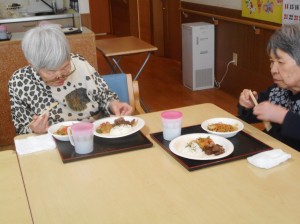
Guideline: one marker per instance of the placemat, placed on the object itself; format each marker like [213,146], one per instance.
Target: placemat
[244,146]
[104,146]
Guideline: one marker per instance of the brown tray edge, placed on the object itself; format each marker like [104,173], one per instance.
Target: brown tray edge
[91,156]
[207,164]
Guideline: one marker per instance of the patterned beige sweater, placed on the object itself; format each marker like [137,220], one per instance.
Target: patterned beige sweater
[84,96]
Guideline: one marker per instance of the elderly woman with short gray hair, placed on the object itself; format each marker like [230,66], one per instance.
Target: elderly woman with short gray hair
[279,104]
[54,74]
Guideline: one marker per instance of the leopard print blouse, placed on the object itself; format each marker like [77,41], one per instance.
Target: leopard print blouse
[84,96]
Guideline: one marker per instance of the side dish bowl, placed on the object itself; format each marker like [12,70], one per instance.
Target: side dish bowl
[236,124]
[53,128]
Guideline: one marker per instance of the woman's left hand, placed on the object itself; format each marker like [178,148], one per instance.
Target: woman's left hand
[120,108]
[267,111]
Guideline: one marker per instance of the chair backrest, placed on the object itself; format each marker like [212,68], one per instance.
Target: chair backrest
[127,91]
[118,84]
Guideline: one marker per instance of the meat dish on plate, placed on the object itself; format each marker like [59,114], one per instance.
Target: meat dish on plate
[119,126]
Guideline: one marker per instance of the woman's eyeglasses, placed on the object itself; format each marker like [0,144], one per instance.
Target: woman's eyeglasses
[60,74]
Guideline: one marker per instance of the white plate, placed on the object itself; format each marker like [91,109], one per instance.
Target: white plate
[224,120]
[178,146]
[140,124]
[53,128]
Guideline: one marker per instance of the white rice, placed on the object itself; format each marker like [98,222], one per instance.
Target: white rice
[121,129]
[193,149]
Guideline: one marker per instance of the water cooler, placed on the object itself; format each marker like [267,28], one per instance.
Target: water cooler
[198,55]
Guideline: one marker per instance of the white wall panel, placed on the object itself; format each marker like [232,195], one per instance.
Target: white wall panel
[231,4]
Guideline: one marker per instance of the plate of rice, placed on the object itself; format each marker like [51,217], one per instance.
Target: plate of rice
[116,127]
[200,146]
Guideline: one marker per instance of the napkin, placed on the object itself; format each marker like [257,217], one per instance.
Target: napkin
[34,144]
[269,159]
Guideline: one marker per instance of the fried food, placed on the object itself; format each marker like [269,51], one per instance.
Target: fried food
[104,128]
[202,142]
[214,149]
[209,147]
[221,127]
[121,121]
[63,130]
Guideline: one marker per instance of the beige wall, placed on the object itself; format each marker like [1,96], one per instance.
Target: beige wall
[84,6]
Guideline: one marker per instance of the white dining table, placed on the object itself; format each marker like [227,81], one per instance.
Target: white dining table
[150,186]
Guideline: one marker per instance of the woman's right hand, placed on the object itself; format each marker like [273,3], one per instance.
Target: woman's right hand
[245,99]
[39,124]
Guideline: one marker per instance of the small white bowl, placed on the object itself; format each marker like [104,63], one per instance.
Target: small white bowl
[230,121]
[53,128]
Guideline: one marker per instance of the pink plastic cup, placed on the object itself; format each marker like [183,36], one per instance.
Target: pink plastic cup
[171,122]
[82,137]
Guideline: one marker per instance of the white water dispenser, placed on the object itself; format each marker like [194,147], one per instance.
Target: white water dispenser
[198,41]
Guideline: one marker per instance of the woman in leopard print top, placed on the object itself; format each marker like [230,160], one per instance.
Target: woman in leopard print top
[280,104]
[56,75]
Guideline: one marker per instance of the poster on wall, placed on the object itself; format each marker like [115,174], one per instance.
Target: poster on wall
[267,10]
[291,12]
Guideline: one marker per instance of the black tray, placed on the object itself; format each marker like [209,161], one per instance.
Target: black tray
[104,146]
[73,32]
[244,146]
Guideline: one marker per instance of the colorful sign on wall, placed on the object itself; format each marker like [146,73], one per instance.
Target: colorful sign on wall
[291,12]
[267,10]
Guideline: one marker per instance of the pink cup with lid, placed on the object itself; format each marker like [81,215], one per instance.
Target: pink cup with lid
[82,137]
[171,122]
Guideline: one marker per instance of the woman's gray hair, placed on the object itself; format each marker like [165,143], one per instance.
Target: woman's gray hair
[287,39]
[46,47]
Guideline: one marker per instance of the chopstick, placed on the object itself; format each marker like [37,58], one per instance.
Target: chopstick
[267,124]
[46,110]
[49,108]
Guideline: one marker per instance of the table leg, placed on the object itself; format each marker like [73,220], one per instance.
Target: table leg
[117,63]
[142,67]
[110,64]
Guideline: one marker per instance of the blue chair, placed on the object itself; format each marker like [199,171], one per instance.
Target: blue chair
[127,90]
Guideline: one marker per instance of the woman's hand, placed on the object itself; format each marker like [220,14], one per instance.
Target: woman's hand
[267,111]
[245,99]
[39,124]
[120,108]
